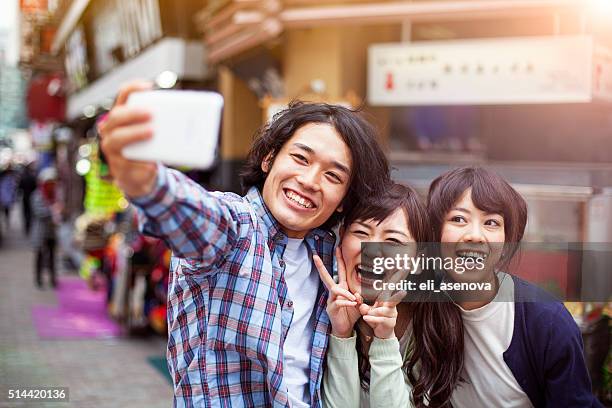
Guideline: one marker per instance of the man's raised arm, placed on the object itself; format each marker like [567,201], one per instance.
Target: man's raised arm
[195,223]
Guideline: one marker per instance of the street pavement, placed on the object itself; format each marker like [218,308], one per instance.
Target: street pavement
[98,373]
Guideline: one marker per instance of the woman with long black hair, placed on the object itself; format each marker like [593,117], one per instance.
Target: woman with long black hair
[425,336]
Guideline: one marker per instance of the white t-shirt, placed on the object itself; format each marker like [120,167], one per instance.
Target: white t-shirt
[302,284]
[489,382]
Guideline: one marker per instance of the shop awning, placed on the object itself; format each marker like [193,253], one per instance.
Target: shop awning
[243,24]
[182,57]
[71,18]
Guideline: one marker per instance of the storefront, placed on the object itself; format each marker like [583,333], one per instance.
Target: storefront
[272,51]
[104,44]
[523,87]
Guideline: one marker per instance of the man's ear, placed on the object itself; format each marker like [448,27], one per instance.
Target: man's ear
[265,163]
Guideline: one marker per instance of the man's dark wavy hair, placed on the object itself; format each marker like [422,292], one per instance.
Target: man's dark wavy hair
[370,169]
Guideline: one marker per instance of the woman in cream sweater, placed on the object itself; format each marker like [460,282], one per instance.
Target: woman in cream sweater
[370,338]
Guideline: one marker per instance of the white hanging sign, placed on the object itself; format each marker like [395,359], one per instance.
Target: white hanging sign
[559,69]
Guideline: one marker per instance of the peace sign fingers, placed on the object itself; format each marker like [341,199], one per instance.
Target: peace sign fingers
[396,299]
[326,278]
[381,317]
[341,266]
[328,281]
[342,305]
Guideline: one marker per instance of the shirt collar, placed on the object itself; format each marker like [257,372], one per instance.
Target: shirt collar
[272,225]
[261,210]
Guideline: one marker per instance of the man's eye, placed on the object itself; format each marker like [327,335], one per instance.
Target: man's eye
[394,240]
[360,232]
[299,158]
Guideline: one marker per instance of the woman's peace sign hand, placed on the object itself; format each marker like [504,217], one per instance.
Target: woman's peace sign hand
[382,316]
[342,305]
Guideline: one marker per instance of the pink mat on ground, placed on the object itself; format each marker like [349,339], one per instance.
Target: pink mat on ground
[80,314]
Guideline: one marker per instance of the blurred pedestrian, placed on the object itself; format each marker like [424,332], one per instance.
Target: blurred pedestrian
[8,192]
[47,212]
[27,185]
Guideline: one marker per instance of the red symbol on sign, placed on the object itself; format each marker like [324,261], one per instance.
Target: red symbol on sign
[389,82]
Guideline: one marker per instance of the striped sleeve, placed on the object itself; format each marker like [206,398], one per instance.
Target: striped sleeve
[198,225]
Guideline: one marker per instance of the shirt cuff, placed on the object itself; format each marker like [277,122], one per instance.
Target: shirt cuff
[385,348]
[158,195]
[343,348]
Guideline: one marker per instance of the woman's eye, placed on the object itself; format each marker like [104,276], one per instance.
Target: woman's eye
[457,218]
[394,240]
[299,158]
[360,232]
[493,223]
[334,177]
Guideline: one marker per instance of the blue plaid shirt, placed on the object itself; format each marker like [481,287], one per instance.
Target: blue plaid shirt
[228,305]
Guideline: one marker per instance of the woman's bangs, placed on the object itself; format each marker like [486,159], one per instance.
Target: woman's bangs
[371,211]
[451,193]
[489,196]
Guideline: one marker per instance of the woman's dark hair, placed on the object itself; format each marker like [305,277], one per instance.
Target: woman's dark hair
[435,350]
[392,197]
[370,169]
[490,193]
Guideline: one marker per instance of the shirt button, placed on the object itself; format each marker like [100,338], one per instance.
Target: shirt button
[281,263]
[316,237]
[290,304]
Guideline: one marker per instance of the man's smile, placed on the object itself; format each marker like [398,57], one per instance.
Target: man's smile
[299,199]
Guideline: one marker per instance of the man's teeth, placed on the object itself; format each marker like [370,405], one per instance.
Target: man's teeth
[296,198]
[470,254]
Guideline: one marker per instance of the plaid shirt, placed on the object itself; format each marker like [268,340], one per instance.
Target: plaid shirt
[228,305]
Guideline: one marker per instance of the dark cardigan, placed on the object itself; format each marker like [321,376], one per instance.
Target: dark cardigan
[546,352]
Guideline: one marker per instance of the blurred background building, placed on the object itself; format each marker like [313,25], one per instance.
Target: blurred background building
[12,81]
[523,86]
[262,54]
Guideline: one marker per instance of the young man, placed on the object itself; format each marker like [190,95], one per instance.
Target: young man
[247,319]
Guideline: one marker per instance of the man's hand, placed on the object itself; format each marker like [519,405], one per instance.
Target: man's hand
[123,126]
[342,305]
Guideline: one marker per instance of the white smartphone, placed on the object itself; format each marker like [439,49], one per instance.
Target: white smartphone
[185,127]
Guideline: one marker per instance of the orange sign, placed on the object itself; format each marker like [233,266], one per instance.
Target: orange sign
[46,38]
[33,6]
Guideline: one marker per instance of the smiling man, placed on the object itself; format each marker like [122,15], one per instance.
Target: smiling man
[247,320]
